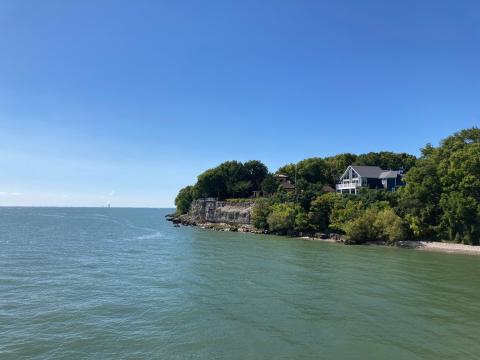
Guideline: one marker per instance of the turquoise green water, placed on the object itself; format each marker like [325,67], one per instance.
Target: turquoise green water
[125,284]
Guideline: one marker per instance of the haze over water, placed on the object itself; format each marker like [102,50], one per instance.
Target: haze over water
[124,284]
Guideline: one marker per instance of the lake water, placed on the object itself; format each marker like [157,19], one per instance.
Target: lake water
[126,284]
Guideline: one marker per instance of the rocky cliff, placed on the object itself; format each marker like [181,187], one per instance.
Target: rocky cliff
[213,211]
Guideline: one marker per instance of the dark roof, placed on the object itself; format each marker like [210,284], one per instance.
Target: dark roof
[328,188]
[389,174]
[287,185]
[368,171]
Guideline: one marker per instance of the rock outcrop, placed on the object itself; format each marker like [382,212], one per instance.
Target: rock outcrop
[225,212]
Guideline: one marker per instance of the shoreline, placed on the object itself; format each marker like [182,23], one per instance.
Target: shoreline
[444,247]
[433,246]
[450,248]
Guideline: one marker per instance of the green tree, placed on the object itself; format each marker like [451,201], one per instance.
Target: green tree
[361,228]
[460,199]
[344,211]
[241,189]
[260,213]
[302,222]
[461,217]
[269,184]
[374,224]
[281,219]
[442,195]
[210,183]
[306,192]
[312,170]
[184,200]
[419,199]
[387,160]
[389,226]
[256,173]
[233,172]
[321,209]
[231,179]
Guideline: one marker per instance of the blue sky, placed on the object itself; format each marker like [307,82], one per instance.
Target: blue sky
[127,101]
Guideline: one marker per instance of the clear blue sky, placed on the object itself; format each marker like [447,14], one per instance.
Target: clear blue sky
[127,101]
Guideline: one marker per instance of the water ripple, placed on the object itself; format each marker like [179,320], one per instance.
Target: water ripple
[125,284]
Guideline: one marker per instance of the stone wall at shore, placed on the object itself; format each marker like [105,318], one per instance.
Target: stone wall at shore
[228,212]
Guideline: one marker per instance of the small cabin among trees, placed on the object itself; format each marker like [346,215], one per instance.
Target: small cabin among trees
[285,183]
[371,177]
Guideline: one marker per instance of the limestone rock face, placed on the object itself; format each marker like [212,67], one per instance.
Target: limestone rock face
[213,211]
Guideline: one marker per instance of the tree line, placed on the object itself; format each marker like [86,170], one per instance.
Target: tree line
[441,199]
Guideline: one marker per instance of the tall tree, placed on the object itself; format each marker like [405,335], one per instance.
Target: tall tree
[387,160]
[256,172]
[184,199]
[442,196]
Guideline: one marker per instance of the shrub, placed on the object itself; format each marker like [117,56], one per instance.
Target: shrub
[376,224]
[260,213]
[361,229]
[302,222]
[389,226]
[345,211]
[321,209]
[281,218]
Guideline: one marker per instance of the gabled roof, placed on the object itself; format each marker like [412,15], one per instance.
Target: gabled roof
[367,171]
[389,174]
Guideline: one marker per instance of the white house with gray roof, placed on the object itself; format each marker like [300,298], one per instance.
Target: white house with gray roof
[371,177]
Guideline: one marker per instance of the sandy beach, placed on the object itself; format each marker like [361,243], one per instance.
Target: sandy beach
[425,246]
[449,247]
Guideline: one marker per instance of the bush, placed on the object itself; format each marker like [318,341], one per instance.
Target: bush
[281,218]
[389,226]
[345,211]
[260,213]
[321,209]
[376,224]
[362,228]
[302,222]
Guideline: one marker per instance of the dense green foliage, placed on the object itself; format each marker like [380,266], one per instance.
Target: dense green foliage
[231,179]
[441,199]
[260,214]
[281,218]
[269,184]
[376,224]
[321,210]
[184,199]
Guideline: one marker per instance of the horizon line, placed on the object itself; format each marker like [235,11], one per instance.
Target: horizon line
[84,207]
